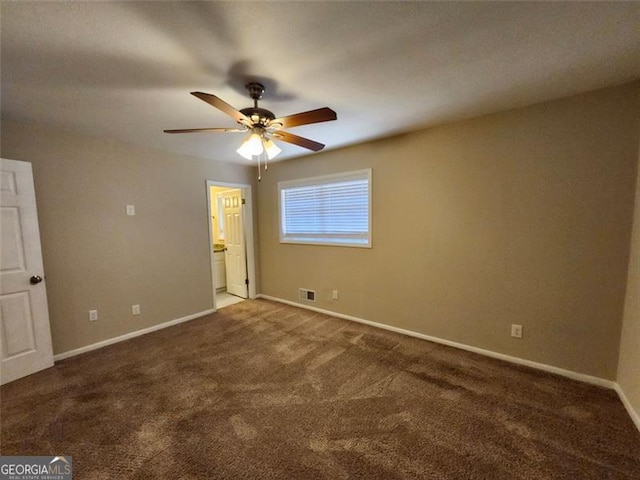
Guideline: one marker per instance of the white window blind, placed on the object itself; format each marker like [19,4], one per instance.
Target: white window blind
[328,210]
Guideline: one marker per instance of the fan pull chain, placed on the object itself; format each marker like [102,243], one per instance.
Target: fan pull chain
[259,173]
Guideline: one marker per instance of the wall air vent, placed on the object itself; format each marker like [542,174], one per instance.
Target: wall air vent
[307,295]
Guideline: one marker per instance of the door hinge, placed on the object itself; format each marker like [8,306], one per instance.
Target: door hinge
[244,201]
[246,281]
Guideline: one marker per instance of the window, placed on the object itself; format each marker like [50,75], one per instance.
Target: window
[327,210]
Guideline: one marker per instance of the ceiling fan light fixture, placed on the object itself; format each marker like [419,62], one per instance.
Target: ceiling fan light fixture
[252,146]
[271,148]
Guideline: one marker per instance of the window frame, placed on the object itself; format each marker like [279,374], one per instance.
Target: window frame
[363,174]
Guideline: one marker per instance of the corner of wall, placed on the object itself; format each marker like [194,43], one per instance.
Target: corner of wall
[628,378]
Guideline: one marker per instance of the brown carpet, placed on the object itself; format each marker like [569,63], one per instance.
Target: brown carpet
[261,390]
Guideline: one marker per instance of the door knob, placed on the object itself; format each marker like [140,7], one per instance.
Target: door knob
[35,279]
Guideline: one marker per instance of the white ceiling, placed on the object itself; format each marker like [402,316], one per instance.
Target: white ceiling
[124,70]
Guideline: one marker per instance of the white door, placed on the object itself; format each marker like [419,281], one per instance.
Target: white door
[235,256]
[25,347]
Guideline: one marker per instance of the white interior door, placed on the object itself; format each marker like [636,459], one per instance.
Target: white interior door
[25,347]
[234,242]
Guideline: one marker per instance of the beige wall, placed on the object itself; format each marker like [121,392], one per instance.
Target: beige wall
[519,217]
[95,256]
[629,363]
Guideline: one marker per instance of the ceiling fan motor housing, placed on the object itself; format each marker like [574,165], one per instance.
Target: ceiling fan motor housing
[258,116]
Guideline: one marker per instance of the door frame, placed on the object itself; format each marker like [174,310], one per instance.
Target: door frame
[247,226]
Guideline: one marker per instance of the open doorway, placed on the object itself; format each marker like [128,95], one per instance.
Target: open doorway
[231,242]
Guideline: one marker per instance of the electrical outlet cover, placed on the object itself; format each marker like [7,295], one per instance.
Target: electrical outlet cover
[516,331]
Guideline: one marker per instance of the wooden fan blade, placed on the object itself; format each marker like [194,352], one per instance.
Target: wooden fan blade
[296,140]
[324,114]
[223,106]
[193,130]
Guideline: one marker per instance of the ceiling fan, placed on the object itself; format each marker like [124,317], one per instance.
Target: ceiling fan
[263,126]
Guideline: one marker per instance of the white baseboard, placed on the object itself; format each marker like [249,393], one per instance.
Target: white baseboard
[627,404]
[601,382]
[127,336]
